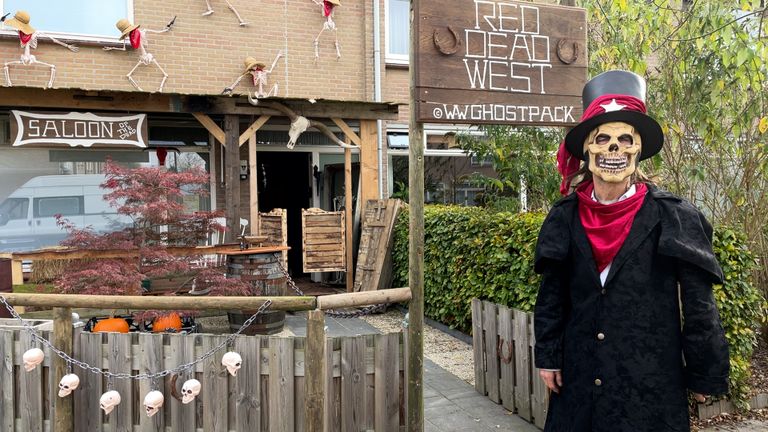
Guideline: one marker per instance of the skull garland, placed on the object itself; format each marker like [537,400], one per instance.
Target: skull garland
[32,358]
[153,401]
[109,401]
[613,150]
[190,390]
[68,383]
[232,361]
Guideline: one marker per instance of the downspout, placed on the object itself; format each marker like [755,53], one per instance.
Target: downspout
[377,89]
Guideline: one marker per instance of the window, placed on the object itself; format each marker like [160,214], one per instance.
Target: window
[73,19]
[398,15]
[13,208]
[475,161]
[65,206]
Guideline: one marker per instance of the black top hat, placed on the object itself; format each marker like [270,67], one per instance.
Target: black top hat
[621,83]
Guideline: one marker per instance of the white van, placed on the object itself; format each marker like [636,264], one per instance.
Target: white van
[28,215]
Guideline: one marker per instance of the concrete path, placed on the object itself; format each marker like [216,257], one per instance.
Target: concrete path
[450,404]
[747,426]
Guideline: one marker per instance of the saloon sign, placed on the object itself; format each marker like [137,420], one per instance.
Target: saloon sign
[78,129]
[500,62]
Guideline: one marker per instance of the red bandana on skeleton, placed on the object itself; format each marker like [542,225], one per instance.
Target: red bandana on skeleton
[568,164]
[135,37]
[24,38]
[327,8]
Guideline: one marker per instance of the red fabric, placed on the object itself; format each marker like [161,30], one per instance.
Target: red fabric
[567,164]
[607,225]
[327,8]
[135,37]
[161,153]
[24,38]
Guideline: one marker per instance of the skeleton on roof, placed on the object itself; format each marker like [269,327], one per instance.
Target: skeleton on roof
[28,38]
[209,11]
[328,6]
[260,75]
[138,38]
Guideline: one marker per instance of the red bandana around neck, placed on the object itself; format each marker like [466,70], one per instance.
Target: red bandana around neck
[24,38]
[568,164]
[135,36]
[607,225]
[327,8]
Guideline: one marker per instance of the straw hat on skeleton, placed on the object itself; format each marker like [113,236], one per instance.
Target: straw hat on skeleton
[251,63]
[20,22]
[125,27]
[336,2]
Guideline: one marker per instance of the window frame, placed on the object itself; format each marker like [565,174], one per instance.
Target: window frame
[77,37]
[80,199]
[391,58]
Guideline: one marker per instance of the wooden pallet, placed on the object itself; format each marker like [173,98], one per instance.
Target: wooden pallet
[374,260]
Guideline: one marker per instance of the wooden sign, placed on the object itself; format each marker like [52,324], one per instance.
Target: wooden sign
[324,245]
[78,129]
[500,62]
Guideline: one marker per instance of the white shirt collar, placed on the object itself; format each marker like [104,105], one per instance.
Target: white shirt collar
[631,191]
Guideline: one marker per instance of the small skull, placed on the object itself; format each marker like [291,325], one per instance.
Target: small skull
[232,361]
[68,383]
[32,358]
[109,401]
[189,390]
[153,401]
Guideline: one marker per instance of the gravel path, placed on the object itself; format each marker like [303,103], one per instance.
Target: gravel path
[450,353]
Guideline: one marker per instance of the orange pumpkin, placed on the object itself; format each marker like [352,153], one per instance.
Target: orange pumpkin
[116,325]
[167,323]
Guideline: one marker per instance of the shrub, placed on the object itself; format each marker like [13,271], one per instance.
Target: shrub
[470,252]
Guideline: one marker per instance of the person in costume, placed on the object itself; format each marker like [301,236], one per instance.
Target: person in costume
[625,319]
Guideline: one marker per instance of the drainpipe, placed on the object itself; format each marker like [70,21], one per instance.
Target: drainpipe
[377,88]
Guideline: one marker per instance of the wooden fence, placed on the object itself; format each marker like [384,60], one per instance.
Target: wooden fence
[503,341]
[363,383]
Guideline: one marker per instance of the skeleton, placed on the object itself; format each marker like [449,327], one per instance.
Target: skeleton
[209,11]
[32,358]
[613,150]
[153,401]
[190,390]
[232,361]
[68,383]
[109,401]
[327,7]
[259,76]
[28,41]
[139,41]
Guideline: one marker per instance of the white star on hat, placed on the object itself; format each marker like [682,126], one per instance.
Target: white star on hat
[613,106]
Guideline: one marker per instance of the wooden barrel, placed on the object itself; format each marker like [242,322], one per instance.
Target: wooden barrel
[262,271]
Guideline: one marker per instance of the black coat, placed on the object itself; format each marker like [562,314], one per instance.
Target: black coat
[626,362]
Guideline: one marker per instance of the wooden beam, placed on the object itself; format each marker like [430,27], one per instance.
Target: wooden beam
[161,302]
[62,339]
[319,109]
[347,131]
[345,300]
[253,186]
[232,170]
[251,131]
[315,370]
[210,126]
[369,162]
[348,218]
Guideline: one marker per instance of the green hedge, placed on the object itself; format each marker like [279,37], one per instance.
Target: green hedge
[471,252]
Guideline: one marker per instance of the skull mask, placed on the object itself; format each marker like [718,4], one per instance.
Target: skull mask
[153,401]
[189,390]
[109,401]
[32,358]
[613,150]
[232,361]
[68,383]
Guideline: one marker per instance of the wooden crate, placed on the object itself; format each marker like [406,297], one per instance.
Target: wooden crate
[323,240]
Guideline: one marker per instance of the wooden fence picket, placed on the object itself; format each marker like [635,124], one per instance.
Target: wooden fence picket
[7,413]
[478,345]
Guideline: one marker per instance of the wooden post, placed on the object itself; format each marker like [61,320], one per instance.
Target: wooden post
[232,169]
[253,183]
[369,162]
[314,383]
[416,244]
[348,216]
[62,339]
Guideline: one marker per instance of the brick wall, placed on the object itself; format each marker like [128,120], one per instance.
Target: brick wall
[203,54]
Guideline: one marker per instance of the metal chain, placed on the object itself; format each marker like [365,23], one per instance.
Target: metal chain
[367,310]
[122,375]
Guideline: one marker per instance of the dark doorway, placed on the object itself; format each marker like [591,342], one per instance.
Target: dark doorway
[285,182]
